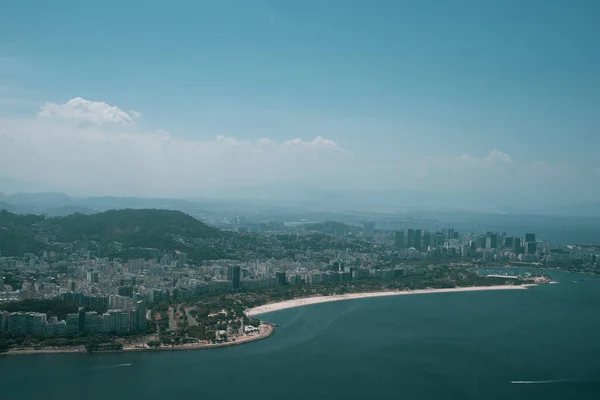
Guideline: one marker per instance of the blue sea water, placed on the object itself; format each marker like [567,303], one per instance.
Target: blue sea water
[540,343]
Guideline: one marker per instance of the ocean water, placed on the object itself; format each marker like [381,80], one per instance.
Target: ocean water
[540,343]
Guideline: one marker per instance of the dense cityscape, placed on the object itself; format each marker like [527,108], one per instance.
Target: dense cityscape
[162,299]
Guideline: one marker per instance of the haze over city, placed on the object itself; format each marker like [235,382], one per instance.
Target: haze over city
[274,100]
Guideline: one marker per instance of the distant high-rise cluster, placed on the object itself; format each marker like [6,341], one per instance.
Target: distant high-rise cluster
[449,241]
[491,242]
[422,239]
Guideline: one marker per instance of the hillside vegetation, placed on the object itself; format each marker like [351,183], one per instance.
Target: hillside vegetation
[131,227]
[161,229]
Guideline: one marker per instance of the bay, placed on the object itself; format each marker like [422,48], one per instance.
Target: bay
[540,343]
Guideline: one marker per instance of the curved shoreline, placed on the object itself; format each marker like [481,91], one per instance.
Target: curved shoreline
[306,301]
[265,330]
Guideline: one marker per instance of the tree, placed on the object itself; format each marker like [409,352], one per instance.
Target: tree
[4,346]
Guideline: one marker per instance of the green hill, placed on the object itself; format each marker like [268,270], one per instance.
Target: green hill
[132,227]
[17,236]
[165,230]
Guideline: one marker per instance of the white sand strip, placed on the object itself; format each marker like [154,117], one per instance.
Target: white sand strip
[267,308]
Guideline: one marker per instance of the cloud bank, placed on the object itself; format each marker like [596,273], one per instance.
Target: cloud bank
[94,148]
[95,112]
[104,152]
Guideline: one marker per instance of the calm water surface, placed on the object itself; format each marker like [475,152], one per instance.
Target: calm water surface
[435,346]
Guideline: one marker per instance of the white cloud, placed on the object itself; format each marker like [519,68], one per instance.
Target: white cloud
[96,112]
[316,143]
[498,156]
[110,154]
[497,173]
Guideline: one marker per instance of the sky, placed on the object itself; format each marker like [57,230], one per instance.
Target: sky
[211,98]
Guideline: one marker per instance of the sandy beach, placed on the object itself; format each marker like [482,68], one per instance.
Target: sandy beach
[267,308]
[265,329]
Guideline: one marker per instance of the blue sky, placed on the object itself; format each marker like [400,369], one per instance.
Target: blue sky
[400,87]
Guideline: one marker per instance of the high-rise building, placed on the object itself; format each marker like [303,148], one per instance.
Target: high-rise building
[509,242]
[92,276]
[369,228]
[399,240]
[234,275]
[140,309]
[491,240]
[72,324]
[75,298]
[133,321]
[136,265]
[410,238]
[81,320]
[481,242]
[26,323]
[137,317]
[93,322]
[517,245]
[426,240]
[120,303]
[115,321]
[182,258]
[438,239]
[530,243]
[95,302]
[465,250]
[154,296]
[125,291]
[281,278]
[166,260]
[418,236]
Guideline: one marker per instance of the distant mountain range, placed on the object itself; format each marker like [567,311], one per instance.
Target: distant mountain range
[58,204]
[292,198]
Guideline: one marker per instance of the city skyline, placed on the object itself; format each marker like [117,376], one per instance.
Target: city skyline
[138,280]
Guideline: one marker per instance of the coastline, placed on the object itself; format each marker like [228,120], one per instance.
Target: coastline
[265,330]
[306,301]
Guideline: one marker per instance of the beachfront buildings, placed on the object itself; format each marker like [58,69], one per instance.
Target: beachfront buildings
[80,323]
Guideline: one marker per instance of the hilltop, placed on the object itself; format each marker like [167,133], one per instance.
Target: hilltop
[17,235]
[132,229]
